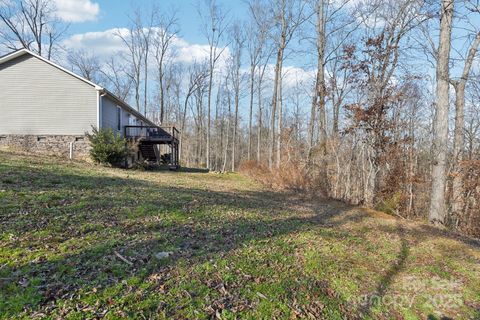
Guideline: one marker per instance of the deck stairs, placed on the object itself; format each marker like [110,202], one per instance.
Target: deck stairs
[149,152]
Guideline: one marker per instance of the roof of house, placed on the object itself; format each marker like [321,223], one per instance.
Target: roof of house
[123,104]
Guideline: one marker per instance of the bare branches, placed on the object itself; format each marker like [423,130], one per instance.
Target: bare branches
[237,43]
[30,24]
[214,26]
[85,64]
[165,32]
[132,40]
[116,76]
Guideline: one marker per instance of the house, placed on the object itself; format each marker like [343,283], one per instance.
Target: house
[45,108]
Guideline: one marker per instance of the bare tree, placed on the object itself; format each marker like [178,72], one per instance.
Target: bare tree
[319,94]
[334,25]
[286,16]
[339,89]
[237,44]
[438,211]
[31,24]
[228,100]
[87,65]
[198,74]
[145,33]
[116,77]
[256,46]
[260,52]
[214,25]
[166,29]
[133,40]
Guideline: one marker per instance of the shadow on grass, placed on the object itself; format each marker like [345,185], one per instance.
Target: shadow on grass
[377,296]
[433,317]
[166,168]
[136,219]
[193,170]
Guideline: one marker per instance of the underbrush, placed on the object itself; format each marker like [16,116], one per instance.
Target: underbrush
[393,197]
[289,176]
[469,221]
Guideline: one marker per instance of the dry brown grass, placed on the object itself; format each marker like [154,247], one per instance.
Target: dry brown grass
[289,176]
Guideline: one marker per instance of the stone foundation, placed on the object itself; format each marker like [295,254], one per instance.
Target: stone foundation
[55,145]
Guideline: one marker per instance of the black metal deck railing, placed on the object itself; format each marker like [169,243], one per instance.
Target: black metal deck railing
[152,133]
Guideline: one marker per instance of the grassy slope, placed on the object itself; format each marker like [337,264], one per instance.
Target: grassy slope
[239,251]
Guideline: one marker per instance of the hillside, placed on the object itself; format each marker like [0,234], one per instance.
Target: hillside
[81,241]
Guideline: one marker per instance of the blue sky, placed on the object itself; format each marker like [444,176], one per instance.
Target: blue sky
[113,14]
[95,23]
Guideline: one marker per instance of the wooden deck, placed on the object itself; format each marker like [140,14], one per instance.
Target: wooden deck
[149,136]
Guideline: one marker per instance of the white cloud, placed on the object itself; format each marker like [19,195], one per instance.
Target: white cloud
[100,43]
[106,43]
[77,10]
[295,75]
[191,53]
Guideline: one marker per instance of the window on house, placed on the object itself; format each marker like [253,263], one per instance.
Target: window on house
[119,118]
[79,138]
[3,138]
[41,139]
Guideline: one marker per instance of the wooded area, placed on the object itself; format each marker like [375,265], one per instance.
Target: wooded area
[371,102]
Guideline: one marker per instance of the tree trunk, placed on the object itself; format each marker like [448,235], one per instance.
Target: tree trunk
[458,148]
[182,130]
[371,172]
[280,116]
[218,141]
[145,84]
[137,93]
[274,106]
[225,158]
[311,124]
[438,211]
[411,163]
[252,80]
[235,126]
[161,90]
[259,133]
[336,111]
[210,81]
[318,101]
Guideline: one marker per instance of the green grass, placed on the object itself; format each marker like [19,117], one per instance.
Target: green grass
[239,250]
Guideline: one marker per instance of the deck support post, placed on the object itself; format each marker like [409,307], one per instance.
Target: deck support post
[171,154]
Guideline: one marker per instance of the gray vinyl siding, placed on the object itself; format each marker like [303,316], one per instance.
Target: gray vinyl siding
[109,115]
[39,99]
